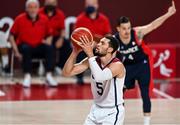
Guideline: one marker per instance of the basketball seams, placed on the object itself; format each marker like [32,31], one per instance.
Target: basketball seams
[78,34]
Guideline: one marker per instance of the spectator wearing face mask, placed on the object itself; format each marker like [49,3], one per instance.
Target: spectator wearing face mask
[94,20]
[56,19]
[30,37]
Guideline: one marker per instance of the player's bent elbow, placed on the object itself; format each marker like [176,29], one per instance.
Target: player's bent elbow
[65,74]
[68,74]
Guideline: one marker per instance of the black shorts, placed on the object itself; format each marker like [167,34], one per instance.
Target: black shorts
[140,72]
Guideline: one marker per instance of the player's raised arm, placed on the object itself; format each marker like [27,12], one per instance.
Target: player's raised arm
[70,68]
[143,30]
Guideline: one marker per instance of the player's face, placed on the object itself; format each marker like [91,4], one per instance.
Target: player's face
[32,9]
[124,30]
[102,48]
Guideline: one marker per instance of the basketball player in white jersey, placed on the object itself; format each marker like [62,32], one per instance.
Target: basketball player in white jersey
[107,80]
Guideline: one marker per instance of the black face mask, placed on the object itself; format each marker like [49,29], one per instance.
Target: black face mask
[90,10]
[50,8]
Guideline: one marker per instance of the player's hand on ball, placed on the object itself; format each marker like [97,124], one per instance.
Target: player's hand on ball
[87,45]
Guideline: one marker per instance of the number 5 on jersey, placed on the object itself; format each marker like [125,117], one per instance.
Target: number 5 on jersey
[100,88]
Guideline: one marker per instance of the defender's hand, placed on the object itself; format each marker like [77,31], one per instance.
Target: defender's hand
[172,9]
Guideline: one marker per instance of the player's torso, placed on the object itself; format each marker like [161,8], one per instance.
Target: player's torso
[131,53]
[108,93]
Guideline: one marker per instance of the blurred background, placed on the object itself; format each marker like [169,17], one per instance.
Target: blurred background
[141,12]
[164,43]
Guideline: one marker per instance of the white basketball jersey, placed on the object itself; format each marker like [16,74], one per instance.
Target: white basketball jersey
[108,93]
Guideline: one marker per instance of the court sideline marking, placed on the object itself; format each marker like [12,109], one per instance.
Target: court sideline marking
[2,93]
[163,94]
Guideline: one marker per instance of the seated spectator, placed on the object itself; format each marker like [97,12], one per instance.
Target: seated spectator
[56,19]
[94,20]
[30,36]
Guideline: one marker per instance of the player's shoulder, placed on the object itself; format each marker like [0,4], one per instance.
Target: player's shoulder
[116,62]
[116,35]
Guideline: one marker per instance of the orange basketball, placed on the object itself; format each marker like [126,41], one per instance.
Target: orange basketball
[79,32]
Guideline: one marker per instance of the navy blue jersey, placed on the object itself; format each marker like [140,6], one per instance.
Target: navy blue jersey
[130,53]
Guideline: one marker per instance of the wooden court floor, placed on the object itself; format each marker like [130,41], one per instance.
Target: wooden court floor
[74,112]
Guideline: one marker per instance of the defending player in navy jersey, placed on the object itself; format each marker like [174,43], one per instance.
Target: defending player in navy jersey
[136,56]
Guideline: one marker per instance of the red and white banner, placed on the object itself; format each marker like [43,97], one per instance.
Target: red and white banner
[164,60]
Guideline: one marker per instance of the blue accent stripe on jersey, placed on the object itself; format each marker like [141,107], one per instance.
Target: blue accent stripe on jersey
[115,92]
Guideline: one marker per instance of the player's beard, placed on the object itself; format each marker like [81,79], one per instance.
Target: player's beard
[100,54]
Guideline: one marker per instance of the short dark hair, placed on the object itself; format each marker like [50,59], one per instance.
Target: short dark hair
[114,43]
[122,19]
